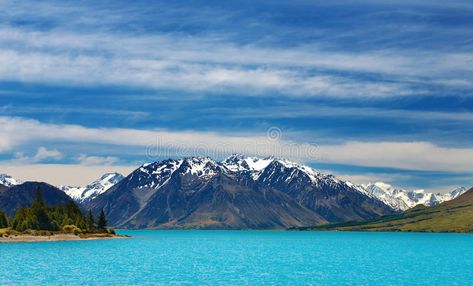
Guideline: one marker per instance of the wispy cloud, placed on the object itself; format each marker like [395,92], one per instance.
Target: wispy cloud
[164,74]
[213,64]
[320,110]
[20,110]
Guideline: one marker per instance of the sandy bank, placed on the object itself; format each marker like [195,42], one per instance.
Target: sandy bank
[57,237]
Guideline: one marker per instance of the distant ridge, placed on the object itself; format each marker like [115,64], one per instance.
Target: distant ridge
[17,196]
[402,200]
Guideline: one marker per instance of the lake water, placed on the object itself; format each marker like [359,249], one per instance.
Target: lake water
[244,257]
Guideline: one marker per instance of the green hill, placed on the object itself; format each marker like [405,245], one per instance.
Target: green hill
[452,216]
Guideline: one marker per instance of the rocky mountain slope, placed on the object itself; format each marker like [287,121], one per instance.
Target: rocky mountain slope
[237,193]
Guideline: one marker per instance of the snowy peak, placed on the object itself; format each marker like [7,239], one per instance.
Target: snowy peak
[105,182]
[199,166]
[92,190]
[400,199]
[238,163]
[8,181]
[102,184]
[281,172]
[457,192]
[153,175]
[75,192]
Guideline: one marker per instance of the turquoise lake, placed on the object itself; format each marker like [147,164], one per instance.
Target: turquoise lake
[244,257]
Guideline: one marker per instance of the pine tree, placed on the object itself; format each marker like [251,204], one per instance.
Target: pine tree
[90,220]
[41,217]
[18,219]
[39,214]
[38,201]
[3,220]
[102,221]
[80,222]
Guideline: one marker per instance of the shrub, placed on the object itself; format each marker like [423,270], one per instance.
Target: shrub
[70,228]
[42,233]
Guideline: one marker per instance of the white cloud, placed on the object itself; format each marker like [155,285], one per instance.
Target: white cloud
[403,155]
[159,143]
[61,174]
[41,154]
[155,143]
[96,160]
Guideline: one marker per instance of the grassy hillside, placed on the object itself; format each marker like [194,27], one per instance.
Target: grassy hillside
[453,216]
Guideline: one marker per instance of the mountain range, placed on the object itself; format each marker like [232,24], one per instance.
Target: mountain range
[397,198]
[237,193]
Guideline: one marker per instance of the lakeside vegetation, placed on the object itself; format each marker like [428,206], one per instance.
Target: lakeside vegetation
[42,220]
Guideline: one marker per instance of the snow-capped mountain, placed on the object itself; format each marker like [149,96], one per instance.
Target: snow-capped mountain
[238,192]
[400,199]
[8,181]
[92,190]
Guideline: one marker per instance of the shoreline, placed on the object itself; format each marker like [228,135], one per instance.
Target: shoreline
[57,237]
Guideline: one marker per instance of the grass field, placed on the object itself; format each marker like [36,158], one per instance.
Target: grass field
[452,216]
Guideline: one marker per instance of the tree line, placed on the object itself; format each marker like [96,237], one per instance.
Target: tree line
[39,216]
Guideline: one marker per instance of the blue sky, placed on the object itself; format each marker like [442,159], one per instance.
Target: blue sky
[367,90]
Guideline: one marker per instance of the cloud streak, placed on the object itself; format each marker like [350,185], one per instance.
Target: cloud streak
[83,159]
[190,77]
[165,143]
